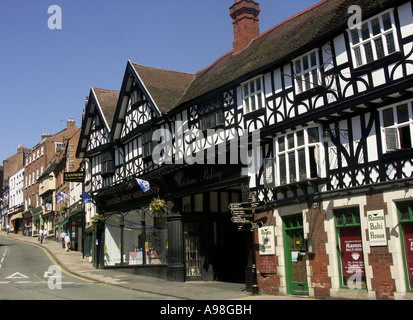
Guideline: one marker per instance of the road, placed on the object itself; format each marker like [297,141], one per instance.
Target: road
[28,273]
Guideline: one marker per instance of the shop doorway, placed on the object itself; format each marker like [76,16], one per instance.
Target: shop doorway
[215,250]
[295,255]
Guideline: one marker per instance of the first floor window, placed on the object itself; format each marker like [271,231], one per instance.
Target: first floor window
[397,125]
[211,114]
[297,156]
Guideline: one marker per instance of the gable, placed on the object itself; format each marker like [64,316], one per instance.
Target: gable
[146,94]
[98,116]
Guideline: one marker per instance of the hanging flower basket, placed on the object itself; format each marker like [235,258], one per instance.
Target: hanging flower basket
[159,209]
[98,220]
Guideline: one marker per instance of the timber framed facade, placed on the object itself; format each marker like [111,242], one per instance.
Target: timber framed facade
[334,110]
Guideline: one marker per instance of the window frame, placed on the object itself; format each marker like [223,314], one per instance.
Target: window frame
[211,114]
[359,50]
[252,97]
[284,158]
[390,132]
[301,84]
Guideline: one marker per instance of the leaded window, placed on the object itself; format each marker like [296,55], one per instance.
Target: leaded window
[306,72]
[253,93]
[298,156]
[397,126]
[374,40]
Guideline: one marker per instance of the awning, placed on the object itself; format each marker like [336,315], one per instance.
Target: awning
[17,216]
[63,223]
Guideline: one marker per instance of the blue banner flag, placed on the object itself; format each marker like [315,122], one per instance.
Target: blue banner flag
[86,197]
[59,198]
[144,185]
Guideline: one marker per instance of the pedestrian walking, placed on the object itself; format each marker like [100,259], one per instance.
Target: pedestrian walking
[44,235]
[40,238]
[7,229]
[67,242]
[62,237]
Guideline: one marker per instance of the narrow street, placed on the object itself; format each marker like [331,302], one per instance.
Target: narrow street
[27,273]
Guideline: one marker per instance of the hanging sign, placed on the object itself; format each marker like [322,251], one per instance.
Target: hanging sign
[377,228]
[74,176]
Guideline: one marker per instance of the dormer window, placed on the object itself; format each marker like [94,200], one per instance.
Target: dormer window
[306,72]
[375,40]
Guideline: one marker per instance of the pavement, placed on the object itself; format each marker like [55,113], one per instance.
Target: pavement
[74,264]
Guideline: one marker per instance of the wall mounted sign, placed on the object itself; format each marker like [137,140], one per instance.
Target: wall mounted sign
[408,247]
[266,240]
[377,228]
[267,264]
[351,248]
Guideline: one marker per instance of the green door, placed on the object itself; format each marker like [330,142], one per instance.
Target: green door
[295,257]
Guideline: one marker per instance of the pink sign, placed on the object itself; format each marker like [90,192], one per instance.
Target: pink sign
[351,251]
[408,245]
[268,264]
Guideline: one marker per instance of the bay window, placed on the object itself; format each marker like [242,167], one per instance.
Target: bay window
[298,156]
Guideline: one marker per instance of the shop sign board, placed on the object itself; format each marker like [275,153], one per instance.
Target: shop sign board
[267,264]
[266,240]
[408,246]
[351,251]
[77,176]
[377,228]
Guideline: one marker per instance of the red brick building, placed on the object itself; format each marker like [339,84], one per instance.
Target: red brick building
[36,162]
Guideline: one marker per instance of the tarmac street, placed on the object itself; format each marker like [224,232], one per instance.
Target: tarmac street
[22,263]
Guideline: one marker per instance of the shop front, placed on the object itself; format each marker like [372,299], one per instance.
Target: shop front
[196,241]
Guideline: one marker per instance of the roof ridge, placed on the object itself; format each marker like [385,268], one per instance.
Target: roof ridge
[101,89]
[263,34]
[291,18]
[161,69]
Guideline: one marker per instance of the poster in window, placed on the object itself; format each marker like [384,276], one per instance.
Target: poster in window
[408,245]
[351,251]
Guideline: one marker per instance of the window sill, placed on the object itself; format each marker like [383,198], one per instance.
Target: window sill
[309,93]
[253,114]
[394,57]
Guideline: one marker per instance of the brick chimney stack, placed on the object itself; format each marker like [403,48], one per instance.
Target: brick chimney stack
[70,122]
[244,14]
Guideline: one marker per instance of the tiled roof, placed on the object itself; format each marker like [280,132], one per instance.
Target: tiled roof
[108,100]
[165,87]
[294,36]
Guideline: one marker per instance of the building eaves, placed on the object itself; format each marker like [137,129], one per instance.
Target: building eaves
[107,100]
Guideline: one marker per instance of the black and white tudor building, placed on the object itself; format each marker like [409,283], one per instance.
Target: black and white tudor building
[332,102]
